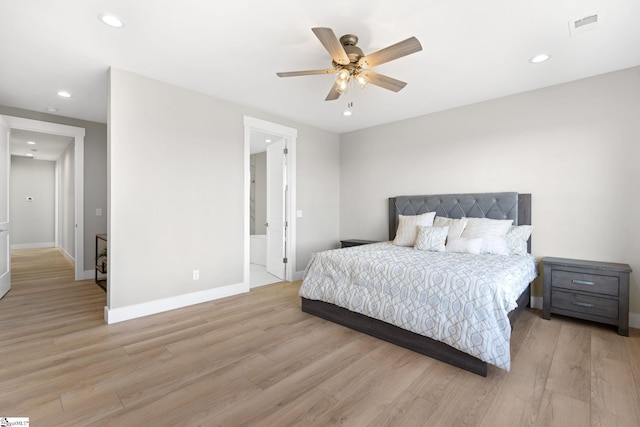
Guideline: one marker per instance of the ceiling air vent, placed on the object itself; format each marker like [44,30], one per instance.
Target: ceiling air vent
[581,25]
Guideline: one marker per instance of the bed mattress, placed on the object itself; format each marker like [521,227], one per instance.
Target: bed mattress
[460,299]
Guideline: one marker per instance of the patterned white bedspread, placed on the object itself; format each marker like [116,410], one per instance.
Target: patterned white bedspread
[457,298]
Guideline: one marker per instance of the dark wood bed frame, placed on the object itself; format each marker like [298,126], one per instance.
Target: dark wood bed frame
[408,339]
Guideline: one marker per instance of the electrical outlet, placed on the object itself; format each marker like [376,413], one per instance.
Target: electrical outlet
[196,274]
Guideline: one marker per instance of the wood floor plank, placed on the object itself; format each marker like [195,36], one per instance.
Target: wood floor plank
[558,410]
[570,372]
[257,359]
[615,399]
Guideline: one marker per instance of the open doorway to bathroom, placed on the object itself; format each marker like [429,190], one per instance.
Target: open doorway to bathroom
[270,200]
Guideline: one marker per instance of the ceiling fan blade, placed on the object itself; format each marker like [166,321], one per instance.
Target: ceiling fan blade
[305,73]
[330,42]
[395,51]
[333,93]
[383,81]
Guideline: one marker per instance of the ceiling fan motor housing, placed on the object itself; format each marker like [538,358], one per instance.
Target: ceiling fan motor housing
[349,41]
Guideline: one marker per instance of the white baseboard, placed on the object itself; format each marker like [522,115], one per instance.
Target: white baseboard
[298,275]
[88,274]
[634,320]
[33,245]
[67,255]
[166,304]
[536,302]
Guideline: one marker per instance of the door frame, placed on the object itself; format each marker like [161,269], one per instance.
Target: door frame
[290,135]
[78,134]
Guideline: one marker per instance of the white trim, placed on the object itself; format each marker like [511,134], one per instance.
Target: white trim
[78,196]
[536,302]
[634,320]
[33,245]
[135,311]
[67,256]
[291,135]
[56,204]
[78,134]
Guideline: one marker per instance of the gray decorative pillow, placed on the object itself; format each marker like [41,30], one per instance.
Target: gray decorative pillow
[431,238]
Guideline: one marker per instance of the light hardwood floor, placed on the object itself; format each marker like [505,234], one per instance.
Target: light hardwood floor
[256,359]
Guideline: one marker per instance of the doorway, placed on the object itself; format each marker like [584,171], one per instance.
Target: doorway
[269,202]
[77,134]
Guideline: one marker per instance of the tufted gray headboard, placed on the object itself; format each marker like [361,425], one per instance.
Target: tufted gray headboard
[508,205]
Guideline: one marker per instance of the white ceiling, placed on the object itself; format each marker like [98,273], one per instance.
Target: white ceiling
[472,51]
[46,147]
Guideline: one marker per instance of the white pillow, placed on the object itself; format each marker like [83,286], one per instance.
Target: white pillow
[463,244]
[431,238]
[408,228]
[517,238]
[456,226]
[492,232]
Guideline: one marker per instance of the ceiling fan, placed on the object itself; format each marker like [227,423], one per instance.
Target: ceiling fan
[350,63]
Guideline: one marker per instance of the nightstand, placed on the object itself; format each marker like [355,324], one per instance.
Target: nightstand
[590,290]
[356,242]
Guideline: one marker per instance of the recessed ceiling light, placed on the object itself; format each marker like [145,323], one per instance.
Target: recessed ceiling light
[29,154]
[111,20]
[267,141]
[539,58]
[52,109]
[349,110]
[64,94]
[31,143]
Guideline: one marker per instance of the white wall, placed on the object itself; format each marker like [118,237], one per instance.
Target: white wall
[575,147]
[32,222]
[176,161]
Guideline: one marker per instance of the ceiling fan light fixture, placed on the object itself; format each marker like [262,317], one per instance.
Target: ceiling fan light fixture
[342,86]
[343,75]
[361,80]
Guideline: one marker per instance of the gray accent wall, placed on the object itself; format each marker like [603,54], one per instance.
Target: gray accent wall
[575,147]
[32,207]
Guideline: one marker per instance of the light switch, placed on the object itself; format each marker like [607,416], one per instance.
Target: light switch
[299,213]
[98,212]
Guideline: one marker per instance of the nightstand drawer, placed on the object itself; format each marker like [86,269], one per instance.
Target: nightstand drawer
[586,304]
[607,285]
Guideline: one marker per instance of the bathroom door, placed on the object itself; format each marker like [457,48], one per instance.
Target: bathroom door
[5,254]
[276,209]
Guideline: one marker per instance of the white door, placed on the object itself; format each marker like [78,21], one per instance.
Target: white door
[5,254]
[276,209]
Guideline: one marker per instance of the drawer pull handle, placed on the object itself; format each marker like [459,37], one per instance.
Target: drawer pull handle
[582,304]
[582,282]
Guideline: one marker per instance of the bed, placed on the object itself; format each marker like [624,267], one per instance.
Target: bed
[338,284]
